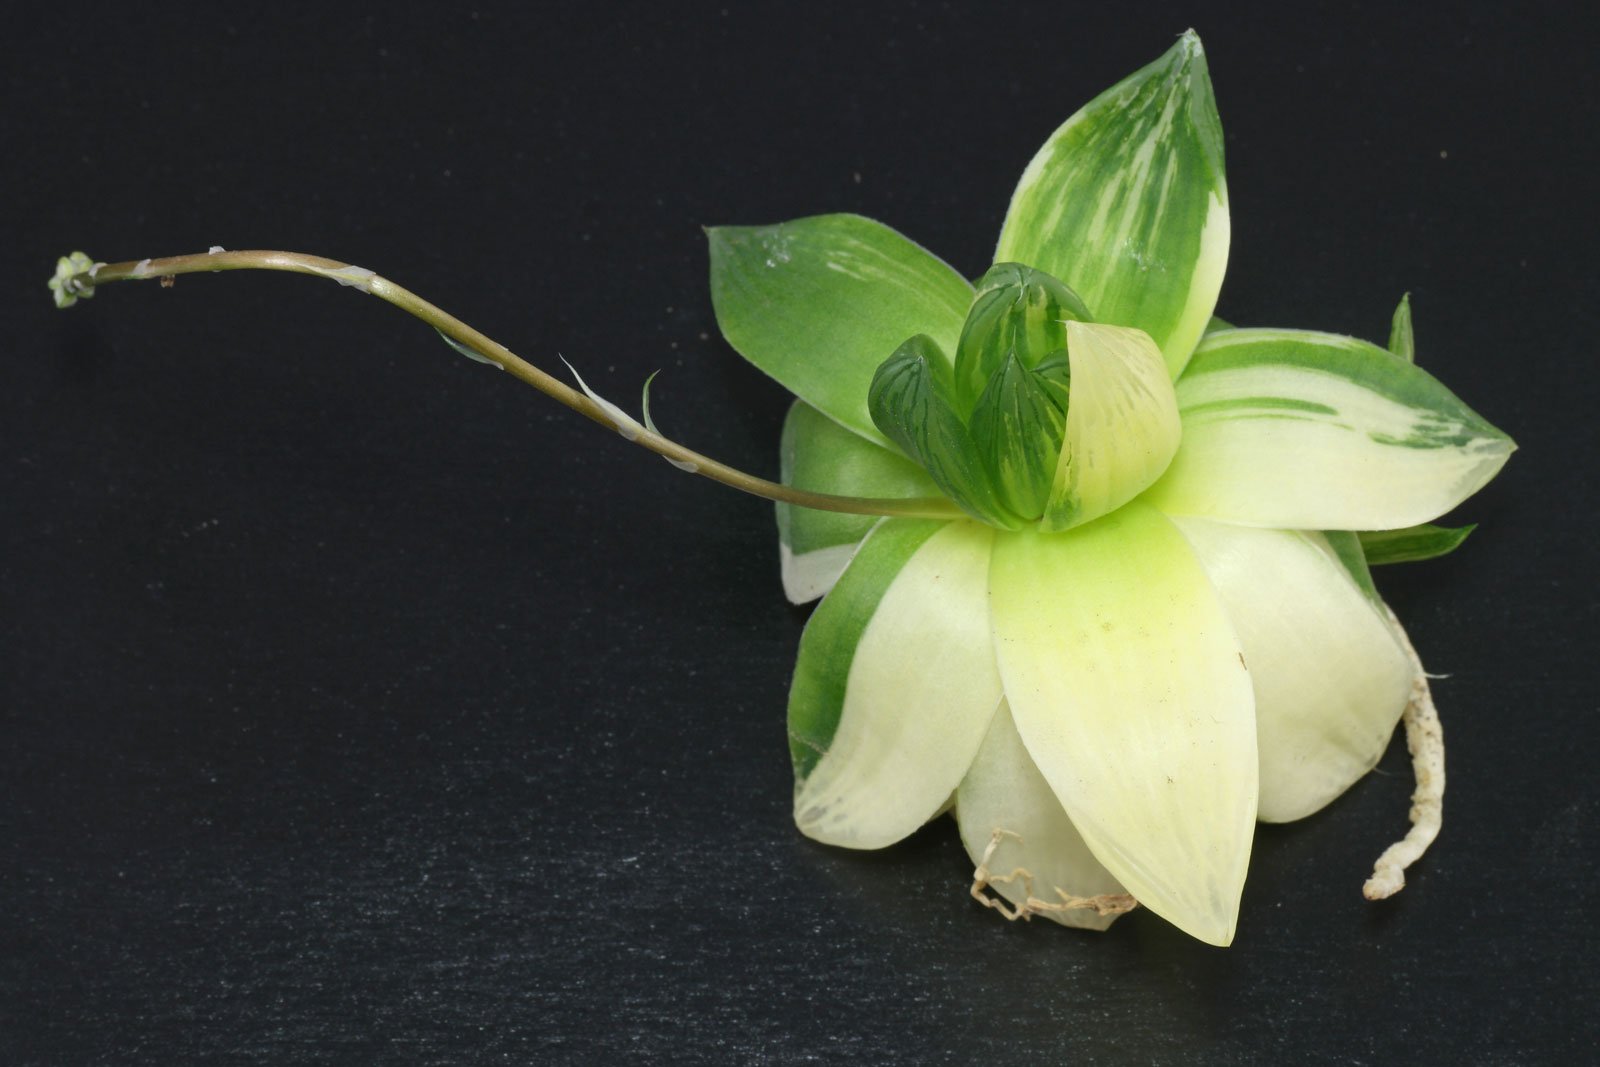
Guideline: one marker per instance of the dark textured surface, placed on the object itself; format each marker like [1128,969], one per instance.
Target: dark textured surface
[361,706]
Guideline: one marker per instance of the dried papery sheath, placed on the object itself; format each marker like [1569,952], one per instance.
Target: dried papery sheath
[1092,563]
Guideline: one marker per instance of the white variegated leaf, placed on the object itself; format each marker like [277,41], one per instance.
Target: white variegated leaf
[1304,430]
[1127,203]
[895,684]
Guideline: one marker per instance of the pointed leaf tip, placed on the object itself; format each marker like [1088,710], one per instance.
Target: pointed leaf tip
[1402,341]
[818,303]
[1312,431]
[1133,700]
[1127,203]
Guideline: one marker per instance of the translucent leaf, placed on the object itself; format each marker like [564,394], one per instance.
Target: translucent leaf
[1018,426]
[910,402]
[1017,311]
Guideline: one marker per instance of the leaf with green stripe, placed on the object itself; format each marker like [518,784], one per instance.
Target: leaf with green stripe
[1127,203]
[1018,427]
[1346,548]
[1018,311]
[910,401]
[1305,430]
[1414,543]
[819,455]
[1402,341]
[895,685]
[819,302]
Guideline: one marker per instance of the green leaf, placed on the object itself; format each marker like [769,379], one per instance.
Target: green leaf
[819,302]
[1346,548]
[910,402]
[1413,543]
[1018,426]
[1329,677]
[1218,324]
[1122,424]
[895,684]
[1401,340]
[818,454]
[1127,203]
[1128,689]
[1304,430]
[1018,310]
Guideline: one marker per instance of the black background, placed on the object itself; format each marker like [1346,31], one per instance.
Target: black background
[362,706]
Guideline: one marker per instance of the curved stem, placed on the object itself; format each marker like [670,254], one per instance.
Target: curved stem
[498,354]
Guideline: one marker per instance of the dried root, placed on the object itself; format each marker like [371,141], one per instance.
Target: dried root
[983,877]
[1425,739]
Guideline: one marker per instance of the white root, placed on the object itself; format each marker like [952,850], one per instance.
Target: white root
[1425,739]
[983,877]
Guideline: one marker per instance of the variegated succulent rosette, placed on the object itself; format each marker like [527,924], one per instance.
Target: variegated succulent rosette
[1156,625]
[1093,563]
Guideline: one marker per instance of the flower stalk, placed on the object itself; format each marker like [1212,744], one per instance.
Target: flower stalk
[78,276]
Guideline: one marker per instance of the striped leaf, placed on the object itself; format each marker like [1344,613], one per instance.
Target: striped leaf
[1414,543]
[1129,691]
[1018,427]
[1347,548]
[1017,312]
[895,684]
[819,302]
[1402,340]
[1306,430]
[1127,203]
[911,401]
[818,454]
[1122,424]
[1330,679]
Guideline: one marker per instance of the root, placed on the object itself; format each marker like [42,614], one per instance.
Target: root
[983,877]
[1425,739]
